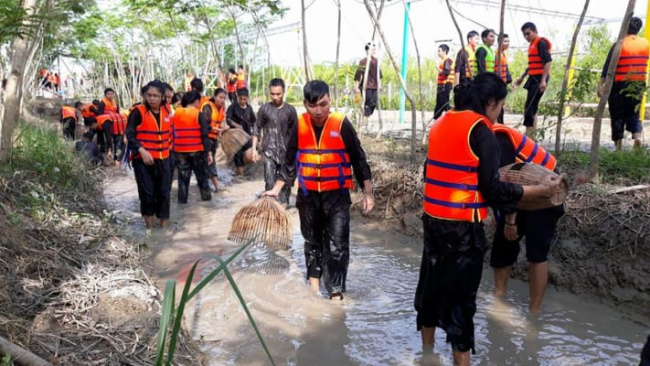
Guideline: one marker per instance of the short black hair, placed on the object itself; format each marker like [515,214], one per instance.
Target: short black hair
[241,66]
[190,97]
[90,121]
[486,32]
[368,45]
[218,91]
[78,105]
[168,87]
[108,90]
[88,135]
[471,34]
[276,82]
[529,25]
[197,84]
[242,92]
[503,36]
[97,102]
[176,98]
[444,48]
[232,70]
[635,26]
[314,90]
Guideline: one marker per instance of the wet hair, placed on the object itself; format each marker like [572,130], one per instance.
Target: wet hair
[155,84]
[486,33]
[176,98]
[635,26]
[368,45]
[108,90]
[503,36]
[475,95]
[197,84]
[190,97]
[88,136]
[90,121]
[314,90]
[529,25]
[232,70]
[242,92]
[276,82]
[218,91]
[78,105]
[471,34]
[168,87]
[444,48]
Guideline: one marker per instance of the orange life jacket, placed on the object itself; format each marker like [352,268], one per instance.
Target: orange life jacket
[241,80]
[504,67]
[451,189]
[43,73]
[633,63]
[187,130]
[86,112]
[471,61]
[449,79]
[535,65]
[231,86]
[118,120]
[109,106]
[204,100]
[526,150]
[153,137]
[68,112]
[322,165]
[216,118]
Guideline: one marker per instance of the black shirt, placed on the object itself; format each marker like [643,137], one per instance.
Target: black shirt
[462,63]
[274,125]
[243,117]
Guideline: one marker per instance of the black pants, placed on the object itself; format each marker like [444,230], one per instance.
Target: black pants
[442,100]
[188,162]
[325,225]
[232,97]
[154,186]
[69,126]
[271,173]
[533,97]
[212,169]
[370,102]
[239,157]
[119,146]
[623,101]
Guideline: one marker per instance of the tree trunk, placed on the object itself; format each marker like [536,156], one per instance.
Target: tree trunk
[241,48]
[609,80]
[305,51]
[13,90]
[399,75]
[564,93]
[460,35]
[335,87]
[420,96]
[501,18]
[366,69]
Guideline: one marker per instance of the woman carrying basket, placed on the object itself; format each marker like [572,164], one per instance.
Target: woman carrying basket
[462,179]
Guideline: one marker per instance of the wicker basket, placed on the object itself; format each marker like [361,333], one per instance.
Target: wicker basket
[533,174]
[264,221]
[233,140]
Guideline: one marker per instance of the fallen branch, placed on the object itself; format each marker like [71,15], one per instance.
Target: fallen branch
[19,355]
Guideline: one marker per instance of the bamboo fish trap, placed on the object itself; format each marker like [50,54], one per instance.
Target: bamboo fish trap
[266,220]
[533,174]
[233,140]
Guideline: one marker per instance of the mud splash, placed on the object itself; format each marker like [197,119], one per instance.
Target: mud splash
[375,324]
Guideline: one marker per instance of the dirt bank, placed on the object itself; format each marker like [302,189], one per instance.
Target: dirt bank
[603,243]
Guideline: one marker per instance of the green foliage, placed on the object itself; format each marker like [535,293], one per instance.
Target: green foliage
[175,315]
[6,360]
[616,167]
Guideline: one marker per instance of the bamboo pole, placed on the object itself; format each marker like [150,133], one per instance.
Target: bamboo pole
[500,38]
[19,355]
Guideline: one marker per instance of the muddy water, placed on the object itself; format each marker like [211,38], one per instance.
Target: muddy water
[374,325]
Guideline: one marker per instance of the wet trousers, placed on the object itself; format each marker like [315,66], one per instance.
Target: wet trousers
[442,100]
[325,225]
[119,146]
[69,126]
[212,169]
[154,186]
[196,162]
[271,173]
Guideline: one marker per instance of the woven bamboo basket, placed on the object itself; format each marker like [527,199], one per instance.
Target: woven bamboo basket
[533,174]
[233,140]
[264,220]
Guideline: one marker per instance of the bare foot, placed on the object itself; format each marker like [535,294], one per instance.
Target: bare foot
[314,283]
[164,223]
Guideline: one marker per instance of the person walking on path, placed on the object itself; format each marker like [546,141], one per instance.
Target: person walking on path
[461,180]
[213,113]
[445,81]
[148,133]
[538,71]
[241,115]
[191,146]
[322,152]
[629,85]
[372,85]
[538,226]
[466,59]
[275,121]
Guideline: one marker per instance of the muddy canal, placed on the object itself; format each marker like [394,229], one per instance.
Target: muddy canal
[375,324]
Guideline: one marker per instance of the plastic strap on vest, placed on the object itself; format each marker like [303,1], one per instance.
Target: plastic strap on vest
[455,204]
[465,187]
[341,178]
[462,168]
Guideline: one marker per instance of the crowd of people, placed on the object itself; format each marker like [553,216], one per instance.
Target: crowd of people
[321,151]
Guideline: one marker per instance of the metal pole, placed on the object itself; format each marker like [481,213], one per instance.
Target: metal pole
[405,58]
[572,70]
[643,99]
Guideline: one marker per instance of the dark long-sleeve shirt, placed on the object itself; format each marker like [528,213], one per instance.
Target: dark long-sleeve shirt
[274,125]
[205,119]
[446,67]
[372,73]
[245,117]
[462,63]
[352,147]
[481,55]
[545,55]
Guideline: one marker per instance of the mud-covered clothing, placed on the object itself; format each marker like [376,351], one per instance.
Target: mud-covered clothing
[89,150]
[452,259]
[462,64]
[245,117]
[189,162]
[273,127]
[372,73]
[534,95]
[69,127]
[325,216]
[271,173]
[154,186]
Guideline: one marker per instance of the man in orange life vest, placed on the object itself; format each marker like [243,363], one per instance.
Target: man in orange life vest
[505,71]
[213,113]
[191,146]
[111,127]
[538,226]
[466,58]
[242,78]
[629,85]
[538,71]
[445,81]
[110,102]
[322,151]
[69,118]
[231,86]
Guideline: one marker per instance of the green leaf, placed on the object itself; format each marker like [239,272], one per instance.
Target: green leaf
[179,314]
[167,310]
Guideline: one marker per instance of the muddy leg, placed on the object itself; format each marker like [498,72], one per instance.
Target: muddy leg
[501,276]
[428,337]
[461,358]
[538,276]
